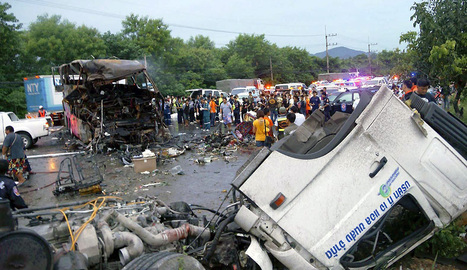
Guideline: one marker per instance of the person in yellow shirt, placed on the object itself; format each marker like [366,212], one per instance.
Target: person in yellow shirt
[260,129]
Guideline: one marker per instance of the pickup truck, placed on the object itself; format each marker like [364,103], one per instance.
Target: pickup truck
[30,130]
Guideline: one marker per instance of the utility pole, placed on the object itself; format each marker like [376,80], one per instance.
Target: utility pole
[270,66]
[327,45]
[369,53]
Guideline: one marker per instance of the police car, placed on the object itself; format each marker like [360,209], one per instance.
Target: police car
[344,102]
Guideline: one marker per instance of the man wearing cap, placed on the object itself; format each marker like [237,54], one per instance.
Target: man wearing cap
[281,122]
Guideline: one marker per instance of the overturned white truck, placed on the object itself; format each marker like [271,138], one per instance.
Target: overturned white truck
[359,192]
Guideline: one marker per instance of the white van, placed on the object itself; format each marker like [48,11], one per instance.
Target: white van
[205,92]
[292,87]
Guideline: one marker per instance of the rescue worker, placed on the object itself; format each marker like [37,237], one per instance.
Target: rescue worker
[281,122]
[326,107]
[8,188]
[179,106]
[314,102]
[41,112]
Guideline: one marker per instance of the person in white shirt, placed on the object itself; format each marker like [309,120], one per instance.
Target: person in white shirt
[299,118]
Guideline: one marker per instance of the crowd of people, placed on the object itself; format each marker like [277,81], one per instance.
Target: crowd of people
[277,114]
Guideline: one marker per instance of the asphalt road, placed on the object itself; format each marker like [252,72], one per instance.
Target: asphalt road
[203,184]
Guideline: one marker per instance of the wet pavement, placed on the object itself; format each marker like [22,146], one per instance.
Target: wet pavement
[204,184]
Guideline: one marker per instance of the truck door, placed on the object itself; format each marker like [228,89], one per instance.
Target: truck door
[343,103]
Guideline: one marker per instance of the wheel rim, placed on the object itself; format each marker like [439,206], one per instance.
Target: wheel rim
[25,141]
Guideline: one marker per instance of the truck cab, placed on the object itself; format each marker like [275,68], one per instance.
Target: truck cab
[349,193]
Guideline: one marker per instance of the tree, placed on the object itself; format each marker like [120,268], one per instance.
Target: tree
[440,48]
[52,42]
[9,43]
[11,90]
[120,47]
[152,35]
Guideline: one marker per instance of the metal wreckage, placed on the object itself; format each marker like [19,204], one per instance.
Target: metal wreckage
[111,101]
[393,196]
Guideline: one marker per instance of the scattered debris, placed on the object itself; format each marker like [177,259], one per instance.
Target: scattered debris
[177,170]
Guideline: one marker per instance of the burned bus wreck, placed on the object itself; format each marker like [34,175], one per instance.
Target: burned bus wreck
[111,101]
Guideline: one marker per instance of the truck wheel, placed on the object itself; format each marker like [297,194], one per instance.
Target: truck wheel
[35,140]
[27,140]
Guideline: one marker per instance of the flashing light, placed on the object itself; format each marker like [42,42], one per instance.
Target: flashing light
[37,76]
[25,78]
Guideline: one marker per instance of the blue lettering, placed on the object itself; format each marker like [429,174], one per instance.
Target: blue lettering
[334,250]
[383,207]
[342,244]
[368,221]
[328,254]
[348,238]
[390,200]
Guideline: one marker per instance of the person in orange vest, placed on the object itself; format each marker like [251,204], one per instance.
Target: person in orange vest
[41,111]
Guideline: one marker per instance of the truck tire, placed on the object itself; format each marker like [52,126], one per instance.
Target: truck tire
[27,140]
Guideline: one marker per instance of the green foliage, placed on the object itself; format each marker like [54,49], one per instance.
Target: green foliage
[446,242]
[52,42]
[9,43]
[13,99]
[439,49]
[151,35]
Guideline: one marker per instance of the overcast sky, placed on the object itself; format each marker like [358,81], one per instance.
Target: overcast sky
[299,23]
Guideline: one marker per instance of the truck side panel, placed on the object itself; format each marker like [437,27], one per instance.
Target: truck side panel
[41,92]
[35,96]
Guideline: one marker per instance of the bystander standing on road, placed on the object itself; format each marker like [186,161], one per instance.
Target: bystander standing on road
[281,122]
[186,112]
[213,110]
[236,105]
[167,112]
[226,112]
[267,114]
[13,149]
[302,105]
[314,101]
[205,110]
[179,107]
[260,129]
[272,105]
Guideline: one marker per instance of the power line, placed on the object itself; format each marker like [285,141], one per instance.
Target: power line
[113,15]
